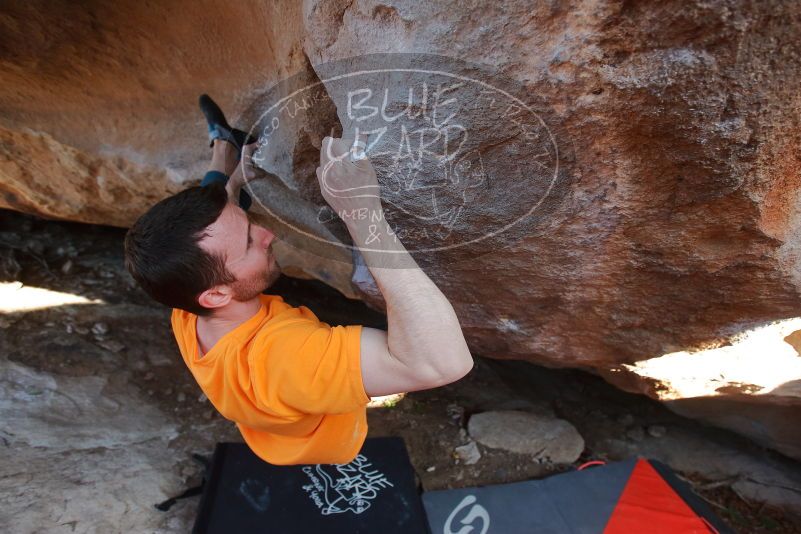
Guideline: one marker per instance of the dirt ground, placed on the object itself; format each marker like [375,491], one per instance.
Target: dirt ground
[99,390]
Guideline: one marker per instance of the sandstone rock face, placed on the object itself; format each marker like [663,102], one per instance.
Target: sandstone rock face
[662,157]
[98,105]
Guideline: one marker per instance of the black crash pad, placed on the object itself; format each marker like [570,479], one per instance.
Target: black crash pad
[376,493]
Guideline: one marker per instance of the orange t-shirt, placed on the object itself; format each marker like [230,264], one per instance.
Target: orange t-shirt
[292,384]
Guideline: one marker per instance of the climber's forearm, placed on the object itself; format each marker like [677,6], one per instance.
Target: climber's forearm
[423,330]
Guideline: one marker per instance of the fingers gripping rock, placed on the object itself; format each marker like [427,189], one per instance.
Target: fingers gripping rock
[345,184]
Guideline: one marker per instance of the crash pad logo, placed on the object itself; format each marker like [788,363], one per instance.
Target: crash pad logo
[337,489]
[476,512]
[464,159]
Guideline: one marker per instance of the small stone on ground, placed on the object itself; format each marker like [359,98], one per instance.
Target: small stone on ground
[543,437]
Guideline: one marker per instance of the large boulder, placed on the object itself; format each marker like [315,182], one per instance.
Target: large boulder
[662,159]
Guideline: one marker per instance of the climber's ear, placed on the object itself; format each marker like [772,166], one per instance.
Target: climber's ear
[215,297]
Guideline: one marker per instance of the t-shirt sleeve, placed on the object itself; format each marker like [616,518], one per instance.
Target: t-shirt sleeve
[307,366]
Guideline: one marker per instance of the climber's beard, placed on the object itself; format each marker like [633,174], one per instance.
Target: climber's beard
[244,290]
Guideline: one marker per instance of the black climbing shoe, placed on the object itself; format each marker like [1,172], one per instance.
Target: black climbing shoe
[219,128]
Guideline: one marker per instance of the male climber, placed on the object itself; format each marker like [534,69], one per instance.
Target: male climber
[296,387]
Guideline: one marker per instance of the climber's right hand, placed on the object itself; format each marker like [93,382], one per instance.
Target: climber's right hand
[347,184]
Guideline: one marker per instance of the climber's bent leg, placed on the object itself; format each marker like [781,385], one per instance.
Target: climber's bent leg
[224,157]
[224,163]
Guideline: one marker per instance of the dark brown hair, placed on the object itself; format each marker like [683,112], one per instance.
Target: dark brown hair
[162,251]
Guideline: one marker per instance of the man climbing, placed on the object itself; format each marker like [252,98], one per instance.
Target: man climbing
[296,387]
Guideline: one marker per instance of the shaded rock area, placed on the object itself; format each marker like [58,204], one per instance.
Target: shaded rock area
[673,136]
[100,417]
